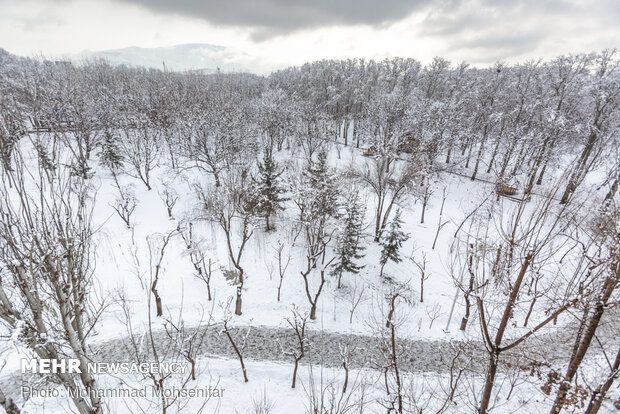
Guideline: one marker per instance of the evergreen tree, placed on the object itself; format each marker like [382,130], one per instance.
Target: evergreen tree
[319,194]
[269,191]
[348,249]
[392,241]
[110,155]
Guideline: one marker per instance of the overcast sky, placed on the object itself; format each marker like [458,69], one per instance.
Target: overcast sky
[277,33]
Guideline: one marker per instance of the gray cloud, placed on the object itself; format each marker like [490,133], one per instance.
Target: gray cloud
[268,18]
[489,47]
[478,31]
[486,30]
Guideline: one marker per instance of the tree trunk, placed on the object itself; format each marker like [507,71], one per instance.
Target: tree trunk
[295,368]
[238,301]
[488,383]
[280,288]
[494,348]
[8,404]
[237,351]
[313,311]
[581,168]
[599,394]
[494,155]
[611,193]
[479,156]
[535,167]
[470,288]
[422,288]
[586,339]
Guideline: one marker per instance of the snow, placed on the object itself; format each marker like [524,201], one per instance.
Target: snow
[117,270]
[123,270]
[270,383]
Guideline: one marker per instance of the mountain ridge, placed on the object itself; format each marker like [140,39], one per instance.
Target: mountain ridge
[204,57]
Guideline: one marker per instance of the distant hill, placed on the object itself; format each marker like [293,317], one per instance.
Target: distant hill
[201,57]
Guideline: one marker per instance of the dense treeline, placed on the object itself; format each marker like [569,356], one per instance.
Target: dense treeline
[508,120]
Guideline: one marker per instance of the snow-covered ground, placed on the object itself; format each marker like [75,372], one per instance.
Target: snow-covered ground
[124,264]
[182,292]
[269,386]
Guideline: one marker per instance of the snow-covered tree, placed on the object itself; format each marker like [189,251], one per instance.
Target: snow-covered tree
[318,198]
[392,241]
[348,249]
[233,208]
[111,155]
[269,188]
[141,150]
[47,296]
[390,182]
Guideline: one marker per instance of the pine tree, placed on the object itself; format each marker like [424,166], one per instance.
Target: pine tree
[348,249]
[319,196]
[269,190]
[110,155]
[392,241]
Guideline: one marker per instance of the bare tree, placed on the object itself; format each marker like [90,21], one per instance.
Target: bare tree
[203,269]
[263,404]
[354,296]
[299,326]
[468,289]
[315,256]
[282,265]
[456,370]
[141,150]
[605,91]
[47,265]
[238,348]
[231,205]
[203,266]
[219,140]
[125,204]
[602,267]
[391,349]
[10,130]
[425,196]
[346,352]
[169,196]
[157,244]
[528,235]
[147,348]
[390,182]
[421,265]
[441,223]
[187,341]
[326,396]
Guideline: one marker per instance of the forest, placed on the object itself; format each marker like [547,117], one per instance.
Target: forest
[347,236]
